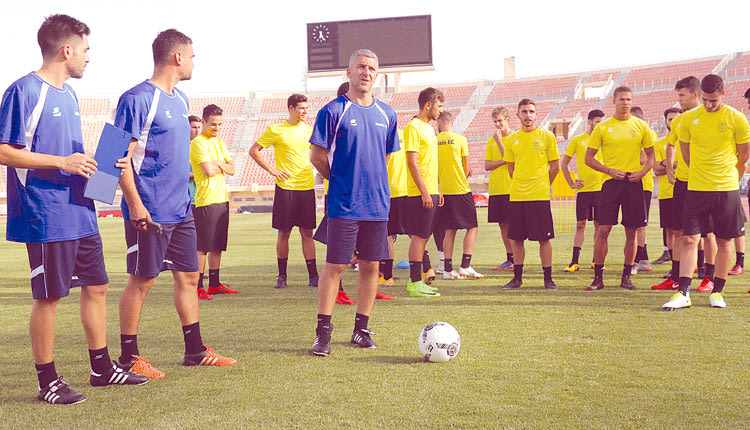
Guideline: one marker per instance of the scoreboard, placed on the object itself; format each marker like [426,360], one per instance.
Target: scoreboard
[400,42]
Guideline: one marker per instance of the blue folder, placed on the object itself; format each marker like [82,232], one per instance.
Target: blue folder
[113,145]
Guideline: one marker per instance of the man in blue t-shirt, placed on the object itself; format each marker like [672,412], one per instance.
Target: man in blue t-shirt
[352,139]
[42,145]
[159,226]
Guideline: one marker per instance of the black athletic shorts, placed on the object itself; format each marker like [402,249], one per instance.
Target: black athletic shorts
[420,221]
[647,202]
[723,207]
[678,203]
[531,220]
[212,227]
[586,205]
[498,208]
[665,213]
[458,212]
[293,208]
[369,238]
[622,193]
[397,216]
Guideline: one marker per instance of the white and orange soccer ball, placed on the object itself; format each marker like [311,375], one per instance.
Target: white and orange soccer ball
[439,342]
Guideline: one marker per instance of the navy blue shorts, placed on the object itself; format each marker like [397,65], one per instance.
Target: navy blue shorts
[56,267]
[175,249]
[369,238]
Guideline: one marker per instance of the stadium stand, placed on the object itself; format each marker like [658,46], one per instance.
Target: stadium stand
[662,75]
[454,96]
[254,174]
[532,88]
[91,130]
[94,106]
[230,105]
[740,68]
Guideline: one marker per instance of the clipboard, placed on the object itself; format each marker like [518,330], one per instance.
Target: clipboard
[113,145]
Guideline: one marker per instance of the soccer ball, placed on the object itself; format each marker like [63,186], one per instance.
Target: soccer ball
[439,342]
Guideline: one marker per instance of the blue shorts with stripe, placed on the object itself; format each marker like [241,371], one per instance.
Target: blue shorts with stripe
[56,267]
[175,249]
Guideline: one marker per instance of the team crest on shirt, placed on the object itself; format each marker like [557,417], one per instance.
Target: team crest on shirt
[633,134]
[536,145]
[722,127]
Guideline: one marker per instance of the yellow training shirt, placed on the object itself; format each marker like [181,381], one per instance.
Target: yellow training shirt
[648,179]
[452,148]
[499,178]
[420,137]
[210,189]
[666,190]
[682,171]
[592,179]
[621,143]
[713,139]
[397,170]
[291,144]
[531,154]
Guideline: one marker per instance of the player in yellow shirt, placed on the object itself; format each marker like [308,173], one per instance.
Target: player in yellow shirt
[620,138]
[642,263]
[688,95]
[294,196]
[713,140]
[458,210]
[665,193]
[588,184]
[533,163]
[423,191]
[499,186]
[397,174]
[210,162]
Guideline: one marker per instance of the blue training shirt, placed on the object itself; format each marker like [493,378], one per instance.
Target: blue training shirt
[161,158]
[358,139]
[44,205]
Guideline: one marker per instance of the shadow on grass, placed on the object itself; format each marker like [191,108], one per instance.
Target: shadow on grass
[391,360]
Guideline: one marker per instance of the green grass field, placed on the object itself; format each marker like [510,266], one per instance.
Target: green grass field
[529,358]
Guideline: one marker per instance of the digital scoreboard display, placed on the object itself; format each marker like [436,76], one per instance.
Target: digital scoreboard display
[399,42]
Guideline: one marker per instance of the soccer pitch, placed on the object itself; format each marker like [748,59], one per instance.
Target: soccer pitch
[529,358]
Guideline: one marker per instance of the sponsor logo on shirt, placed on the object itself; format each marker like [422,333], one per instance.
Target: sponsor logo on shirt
[56,111]
[381,125]
[353,123]
[167,114]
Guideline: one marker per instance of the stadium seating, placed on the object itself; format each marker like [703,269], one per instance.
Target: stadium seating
[91,130]
[532,88]
[454,95]
[254,174]
[94,106]
[734,92]
[661,75]
[481,127]
[740,68]
[230,105]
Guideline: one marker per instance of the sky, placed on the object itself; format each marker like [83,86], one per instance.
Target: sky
[243,46]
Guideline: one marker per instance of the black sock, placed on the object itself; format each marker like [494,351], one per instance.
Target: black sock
[100,362]
[213,278]
[360,321]
[576,254]
[701,258]
[381,268]
[448,265]
[200,281]
[426,266]
[466,261]
[645,251]
[710,271]
[675,269]
[740,259]
[509,255]
[415,271]
[45,373]
[341,285]
[386,267]
[129,347]
[684,284]
[718,285]
[547,273]
[193,339]
[598,271]
[282,266]
[664,236]
[639,254]
[324,321]
[518,272]
[671,253]
[312,268]
[627,269]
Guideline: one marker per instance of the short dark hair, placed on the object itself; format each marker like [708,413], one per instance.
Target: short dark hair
[295,99]
[672,110]
[430,95]
[747,93]
[622,89]
[56,30]
[596,113]
[636,111]
[445,116]
[194,118]
[166,43]
[712,83]
[690,83]
[526,102]
[210,110]
[343,89]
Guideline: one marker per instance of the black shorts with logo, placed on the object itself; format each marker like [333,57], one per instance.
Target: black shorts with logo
[498,208]
[531,220]
[458,212]
[586,205]
[622,193]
